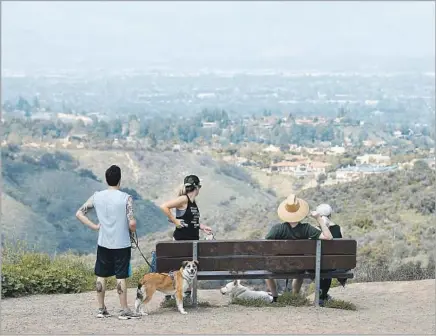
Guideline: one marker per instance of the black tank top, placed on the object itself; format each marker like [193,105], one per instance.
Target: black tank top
[191,220]
[336,231]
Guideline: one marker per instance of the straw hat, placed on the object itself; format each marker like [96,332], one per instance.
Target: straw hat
[293,209]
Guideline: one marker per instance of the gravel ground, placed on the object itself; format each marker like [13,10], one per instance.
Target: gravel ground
[389,307]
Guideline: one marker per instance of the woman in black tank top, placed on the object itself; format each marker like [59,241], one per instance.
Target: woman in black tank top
[187,219]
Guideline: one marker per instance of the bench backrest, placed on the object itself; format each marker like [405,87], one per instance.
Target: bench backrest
[269,255]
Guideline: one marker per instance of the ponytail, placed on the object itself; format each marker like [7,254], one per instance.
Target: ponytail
[185,189]
[182,190]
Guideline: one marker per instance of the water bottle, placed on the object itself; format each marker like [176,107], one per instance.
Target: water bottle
[153,268]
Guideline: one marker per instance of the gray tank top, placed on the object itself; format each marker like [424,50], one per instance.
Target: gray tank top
[111,209]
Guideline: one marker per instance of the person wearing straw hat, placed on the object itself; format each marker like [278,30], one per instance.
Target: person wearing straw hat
[325,211]
[292,211]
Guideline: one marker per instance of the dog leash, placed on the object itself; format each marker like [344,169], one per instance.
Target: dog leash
[134,240]
[135,245]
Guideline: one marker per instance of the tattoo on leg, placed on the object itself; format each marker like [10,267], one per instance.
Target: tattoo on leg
[119,288]
[99,287]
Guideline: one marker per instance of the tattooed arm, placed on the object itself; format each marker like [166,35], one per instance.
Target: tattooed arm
[81,215]
[130,215]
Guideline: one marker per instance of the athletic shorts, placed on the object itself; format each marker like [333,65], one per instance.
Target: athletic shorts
[112,262]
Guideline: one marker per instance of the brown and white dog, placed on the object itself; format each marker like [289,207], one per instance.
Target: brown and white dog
[175,285]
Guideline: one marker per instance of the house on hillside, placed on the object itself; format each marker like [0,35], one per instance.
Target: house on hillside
[315,151]
[300,168]
[268,122]
[372,143]
[209,124]
[377,159]
[271,149]
[352,173]
[336,150]
[71,118]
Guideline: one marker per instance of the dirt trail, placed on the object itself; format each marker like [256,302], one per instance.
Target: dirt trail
[390,307]
[134,167]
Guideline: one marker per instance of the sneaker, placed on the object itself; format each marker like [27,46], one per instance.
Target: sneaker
[102,312]
[322,301]
[127,314]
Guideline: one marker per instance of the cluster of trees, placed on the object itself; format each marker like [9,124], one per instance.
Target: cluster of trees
[161,128]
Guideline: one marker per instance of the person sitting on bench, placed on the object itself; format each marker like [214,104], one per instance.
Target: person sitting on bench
[292,211]
[325,211]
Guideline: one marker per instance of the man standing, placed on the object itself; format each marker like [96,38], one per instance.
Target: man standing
[114,210]
[292,211]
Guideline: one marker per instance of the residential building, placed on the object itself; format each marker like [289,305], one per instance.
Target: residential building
[300,167]
[336,150]
[210,124]
[378,159]
[271,149]
[352,173]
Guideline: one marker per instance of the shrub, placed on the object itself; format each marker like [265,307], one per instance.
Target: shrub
[87,174]
[364,223]
[236,173]
[36,273]
[25,272]
[339,304]
[48,161]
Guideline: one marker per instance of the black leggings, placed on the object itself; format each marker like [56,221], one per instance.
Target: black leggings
[324,286]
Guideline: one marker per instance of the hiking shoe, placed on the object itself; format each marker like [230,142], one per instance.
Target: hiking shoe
[322,301]
[102,312]
[127,314]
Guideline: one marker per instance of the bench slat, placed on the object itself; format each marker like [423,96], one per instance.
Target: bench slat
[224,275]
[255,247]
[252,263]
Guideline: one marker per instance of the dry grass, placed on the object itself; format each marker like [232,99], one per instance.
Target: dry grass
[339,304]
[287,299]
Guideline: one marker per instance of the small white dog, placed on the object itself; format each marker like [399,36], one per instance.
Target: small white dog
[238,291]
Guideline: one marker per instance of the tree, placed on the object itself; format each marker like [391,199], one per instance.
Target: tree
[7,106]
[321,178]
[36,104]
[116,126]
[23,105]
[153,140]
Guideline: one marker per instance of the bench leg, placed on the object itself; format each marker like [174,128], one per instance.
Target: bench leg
[194,293]
[317,272]
[194,284]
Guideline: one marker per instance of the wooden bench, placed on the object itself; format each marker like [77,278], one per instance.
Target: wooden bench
[260,259]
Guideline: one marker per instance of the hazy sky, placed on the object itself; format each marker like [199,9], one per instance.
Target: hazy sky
[123,34]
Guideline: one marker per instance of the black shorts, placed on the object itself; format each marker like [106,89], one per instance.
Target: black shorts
[112,262]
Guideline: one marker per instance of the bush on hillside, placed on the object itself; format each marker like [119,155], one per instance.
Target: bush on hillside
[25,272]
[236,173]
[87,174]
[410,271]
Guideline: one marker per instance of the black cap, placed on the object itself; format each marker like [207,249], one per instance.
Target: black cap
[192,180]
